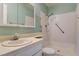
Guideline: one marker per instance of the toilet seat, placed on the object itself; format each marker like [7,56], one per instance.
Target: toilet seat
[48,51]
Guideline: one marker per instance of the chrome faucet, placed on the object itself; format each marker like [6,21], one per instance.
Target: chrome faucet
[15,37]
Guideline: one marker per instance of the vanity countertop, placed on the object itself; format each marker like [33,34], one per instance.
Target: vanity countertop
[7,37]
[4,50]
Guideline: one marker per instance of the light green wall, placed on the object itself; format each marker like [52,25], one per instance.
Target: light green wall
[39,7]
[13,30]
[43,8]
[61,8]
[37,18]
[24,9]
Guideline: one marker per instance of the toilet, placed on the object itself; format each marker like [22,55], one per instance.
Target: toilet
[48,52]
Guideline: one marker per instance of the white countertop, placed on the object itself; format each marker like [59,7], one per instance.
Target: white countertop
[4,50]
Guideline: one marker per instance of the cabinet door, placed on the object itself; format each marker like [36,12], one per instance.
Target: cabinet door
[12,13]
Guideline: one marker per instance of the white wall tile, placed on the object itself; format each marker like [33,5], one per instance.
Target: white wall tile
[67,23]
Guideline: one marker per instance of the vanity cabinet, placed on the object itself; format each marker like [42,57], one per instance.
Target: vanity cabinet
[34,49]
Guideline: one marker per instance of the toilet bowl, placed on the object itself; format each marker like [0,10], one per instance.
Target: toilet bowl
[48,52]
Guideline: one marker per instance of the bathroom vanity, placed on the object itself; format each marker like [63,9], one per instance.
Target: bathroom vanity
[21,18]
[33,48]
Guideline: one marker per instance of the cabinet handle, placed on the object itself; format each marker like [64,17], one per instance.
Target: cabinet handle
[60,28]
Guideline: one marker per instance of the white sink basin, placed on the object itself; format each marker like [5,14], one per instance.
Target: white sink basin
[20,42]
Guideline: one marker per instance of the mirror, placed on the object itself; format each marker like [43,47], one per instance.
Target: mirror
[19,14]
[11,13]
[26,15]
[19,17]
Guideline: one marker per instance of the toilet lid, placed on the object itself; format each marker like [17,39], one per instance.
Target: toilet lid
[49,51]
